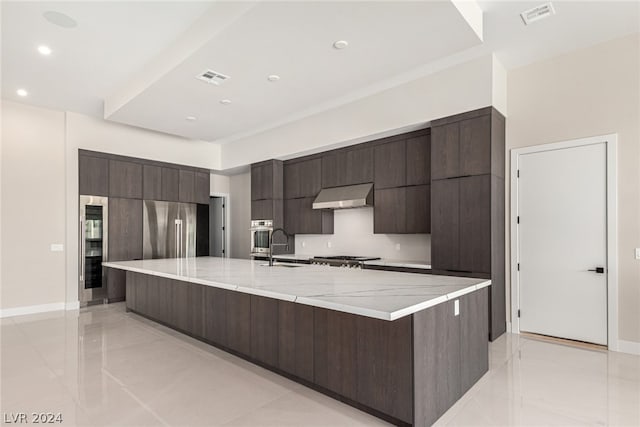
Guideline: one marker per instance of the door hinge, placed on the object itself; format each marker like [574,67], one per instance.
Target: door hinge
[518,173]
[518,312]
[222,228]
[518,219]
[518,266]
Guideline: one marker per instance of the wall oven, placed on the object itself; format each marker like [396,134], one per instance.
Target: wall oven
[261,230]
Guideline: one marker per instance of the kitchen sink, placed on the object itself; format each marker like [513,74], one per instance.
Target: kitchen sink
[282,265]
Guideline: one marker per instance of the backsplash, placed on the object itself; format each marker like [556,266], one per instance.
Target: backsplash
[353,235]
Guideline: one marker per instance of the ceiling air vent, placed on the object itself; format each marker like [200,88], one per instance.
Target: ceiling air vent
[212,77]
[537,13]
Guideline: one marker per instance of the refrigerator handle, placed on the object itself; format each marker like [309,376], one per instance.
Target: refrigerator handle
[179,245]
[82,248]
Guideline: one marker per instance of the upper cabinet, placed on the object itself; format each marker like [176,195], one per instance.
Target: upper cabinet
[102,174]
[468,144]
[303,178]
[390,162]
[93,175]
[266,180]
[347,166]
[125,179]
[419,160]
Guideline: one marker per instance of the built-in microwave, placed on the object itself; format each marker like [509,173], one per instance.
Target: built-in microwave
[261,230]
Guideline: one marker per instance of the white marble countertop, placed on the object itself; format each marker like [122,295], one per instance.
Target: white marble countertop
[399,263]
[382,295]
[293,257]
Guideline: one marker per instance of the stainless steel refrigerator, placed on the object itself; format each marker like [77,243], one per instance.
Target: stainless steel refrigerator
[169,230]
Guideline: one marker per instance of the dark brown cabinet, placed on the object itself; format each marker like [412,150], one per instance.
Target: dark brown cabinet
[125,229]
[93,175]
[215,315]
[445,151]
[390,209]
[170,184]
[384,357]
[418,209]
[473,338]
[264,330]
[419,160]
[125,179]
[238,309]
[347,166]
[302,178]
[266,180]
[202,188]
[116,285]
[301,218]
[151,182]
[187,304]
[262,209]
[186,186]
[445,224]
[390,165]
[295,336]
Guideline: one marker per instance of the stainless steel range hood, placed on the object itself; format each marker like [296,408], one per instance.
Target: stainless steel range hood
[351,196]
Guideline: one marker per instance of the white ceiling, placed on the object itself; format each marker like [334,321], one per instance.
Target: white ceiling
[142,57]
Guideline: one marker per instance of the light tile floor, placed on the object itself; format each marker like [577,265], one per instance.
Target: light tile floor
[103,366]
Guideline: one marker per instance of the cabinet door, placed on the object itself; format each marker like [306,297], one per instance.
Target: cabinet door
[264,330]
[295,338]
[436,355]
[238,309]
[93,176]
[310,177]
[292,212]
[335,351]
[445,154]
[187,186]
[389,211]
[215,315]
[384,358]
[262,181]
[116,284]
[125,229]
[301,218]
[151,182]
[474,334]
[333,169]
[125,179]
[291,181]
[475,224]
[475,146]
[445,225]
[419,160]
[262,209]
[202,188]
[170,184]
[418,209]
[359,165]
[390,164]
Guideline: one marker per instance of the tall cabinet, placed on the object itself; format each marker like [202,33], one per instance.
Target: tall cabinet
[467,202]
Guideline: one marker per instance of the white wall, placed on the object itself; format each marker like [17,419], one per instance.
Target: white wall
[33,206]
[460,88]
[593,91]
[40,188]
[218,184]
[239,219]
[353,235]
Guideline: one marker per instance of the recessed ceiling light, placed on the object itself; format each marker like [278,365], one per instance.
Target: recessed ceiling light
[273,78]
[537,13]
[45,50]
[340,44]
[225,101]
[190,118]
[22,92]
[60,19]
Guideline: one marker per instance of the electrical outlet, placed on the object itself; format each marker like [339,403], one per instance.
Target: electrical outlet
[637,253]
[57,247]
[397,246]
[329,244]
[456,307]
[304,244]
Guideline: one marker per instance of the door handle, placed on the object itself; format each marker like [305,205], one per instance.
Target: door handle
[599,270]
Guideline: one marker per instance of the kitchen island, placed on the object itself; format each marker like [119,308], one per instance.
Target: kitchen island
[401,346]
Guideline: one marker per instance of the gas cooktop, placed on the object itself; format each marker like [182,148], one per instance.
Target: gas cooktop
[342,260]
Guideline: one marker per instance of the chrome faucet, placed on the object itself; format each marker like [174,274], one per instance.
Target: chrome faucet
[271,244]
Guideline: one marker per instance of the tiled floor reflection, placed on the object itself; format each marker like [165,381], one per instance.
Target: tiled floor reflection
[102,366]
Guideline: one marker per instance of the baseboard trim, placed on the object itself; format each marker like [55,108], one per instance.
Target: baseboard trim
[31,309]
[630,347]
[74,305]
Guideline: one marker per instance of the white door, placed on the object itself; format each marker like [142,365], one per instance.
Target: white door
[562,235]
